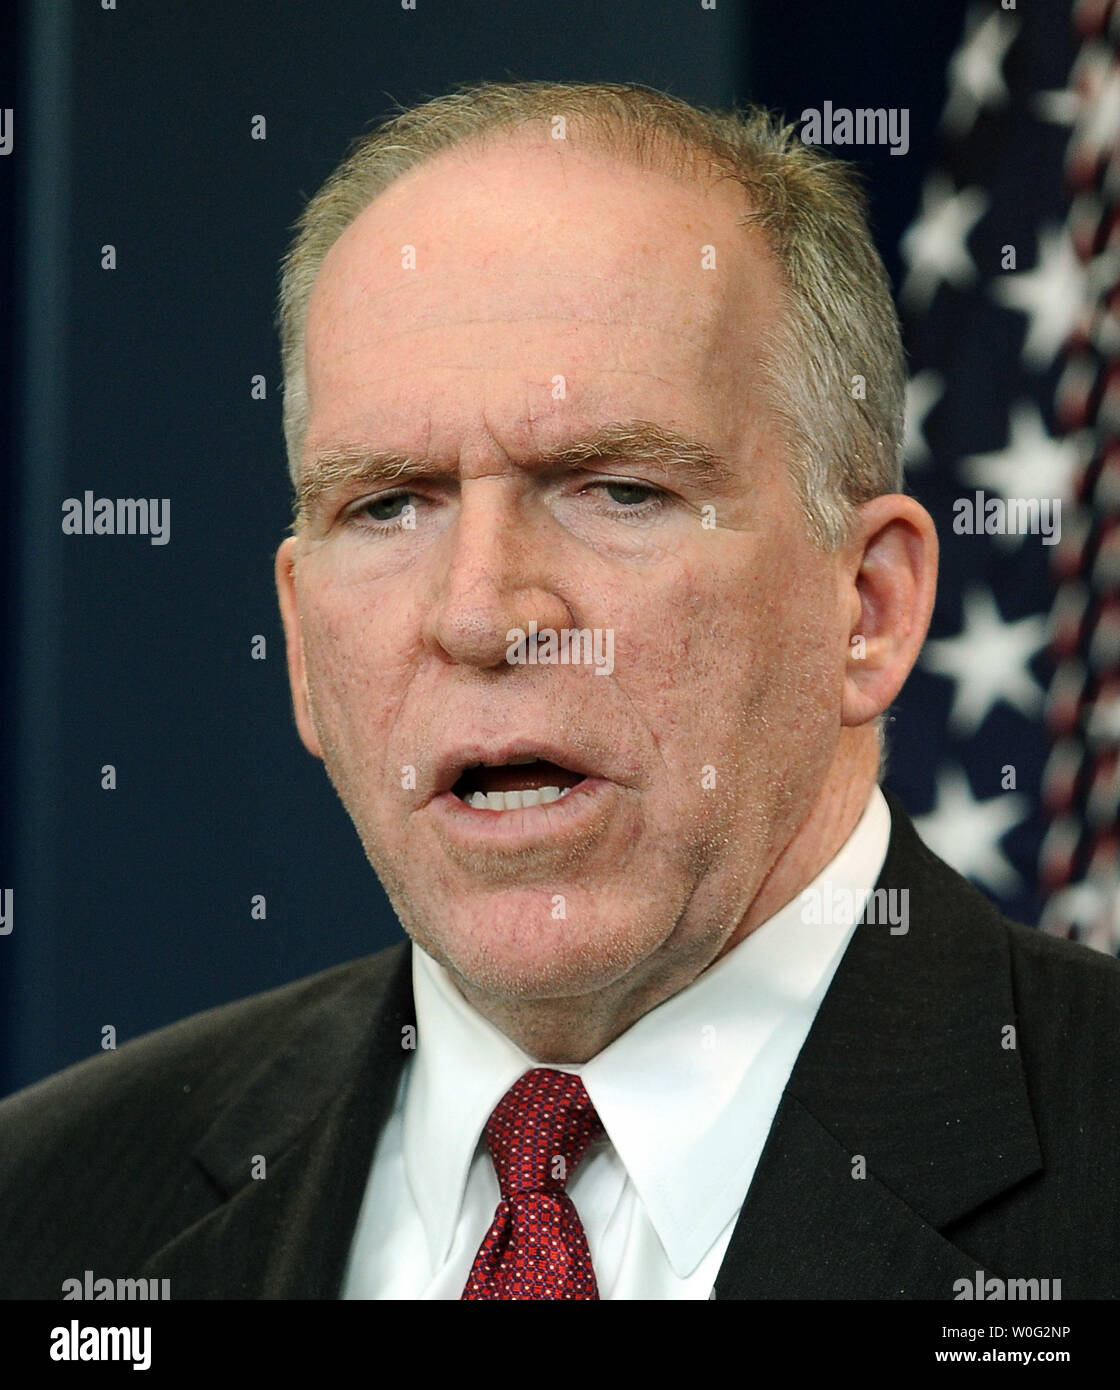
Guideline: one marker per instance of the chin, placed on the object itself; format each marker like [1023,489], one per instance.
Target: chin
[510,944]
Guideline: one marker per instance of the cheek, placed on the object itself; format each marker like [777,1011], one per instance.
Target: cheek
[354,661]
[739,671]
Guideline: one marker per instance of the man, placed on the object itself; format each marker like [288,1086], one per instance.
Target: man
[600,584]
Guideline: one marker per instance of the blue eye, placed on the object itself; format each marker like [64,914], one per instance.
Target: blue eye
[629,489]
[630,499]
[380,508]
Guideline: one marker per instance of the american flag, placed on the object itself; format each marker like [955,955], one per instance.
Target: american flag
[1006,740]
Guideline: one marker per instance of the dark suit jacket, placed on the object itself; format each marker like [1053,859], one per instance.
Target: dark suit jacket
[138,1163]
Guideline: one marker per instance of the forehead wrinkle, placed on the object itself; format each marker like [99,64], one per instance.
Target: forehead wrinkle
[533,273]
[707,304]
[677,456]
[486,368]
[658,325]
[706,307]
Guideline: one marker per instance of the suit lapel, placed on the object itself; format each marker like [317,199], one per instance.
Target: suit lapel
[809,1229]
[906,1067]
[314,1113]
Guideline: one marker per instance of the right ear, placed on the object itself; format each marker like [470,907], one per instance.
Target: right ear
[286,558]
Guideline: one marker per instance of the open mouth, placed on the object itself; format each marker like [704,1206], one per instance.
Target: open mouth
[513,786]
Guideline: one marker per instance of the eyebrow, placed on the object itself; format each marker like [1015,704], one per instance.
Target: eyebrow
[678,457]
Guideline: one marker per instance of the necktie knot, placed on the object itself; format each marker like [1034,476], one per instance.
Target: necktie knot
[539,1131]
[536,1246]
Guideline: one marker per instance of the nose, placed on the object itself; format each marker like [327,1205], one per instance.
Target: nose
[498,573]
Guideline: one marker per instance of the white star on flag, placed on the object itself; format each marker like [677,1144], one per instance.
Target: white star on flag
[934,248]
[923,390]
[1099,118]
[975,76]
[1094,910]
[1058,107]
[965,832]
[1052,295]
[1032,464]
[1090,106]
[988,660]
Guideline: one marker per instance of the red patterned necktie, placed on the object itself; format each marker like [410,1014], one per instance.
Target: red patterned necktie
[536,1246]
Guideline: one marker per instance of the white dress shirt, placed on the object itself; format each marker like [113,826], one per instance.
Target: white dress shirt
[686,1095]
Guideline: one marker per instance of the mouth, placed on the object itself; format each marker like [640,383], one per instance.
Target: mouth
[515,785]
[517,775]
[501,800]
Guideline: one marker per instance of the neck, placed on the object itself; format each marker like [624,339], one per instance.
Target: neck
[830,822]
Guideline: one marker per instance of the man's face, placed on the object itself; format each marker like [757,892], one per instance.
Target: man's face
[556,291]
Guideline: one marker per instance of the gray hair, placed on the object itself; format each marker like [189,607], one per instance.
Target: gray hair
[834,369]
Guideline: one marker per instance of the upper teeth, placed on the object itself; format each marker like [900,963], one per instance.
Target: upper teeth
[514,801]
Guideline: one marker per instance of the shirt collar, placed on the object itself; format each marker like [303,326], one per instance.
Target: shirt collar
[686,1095]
